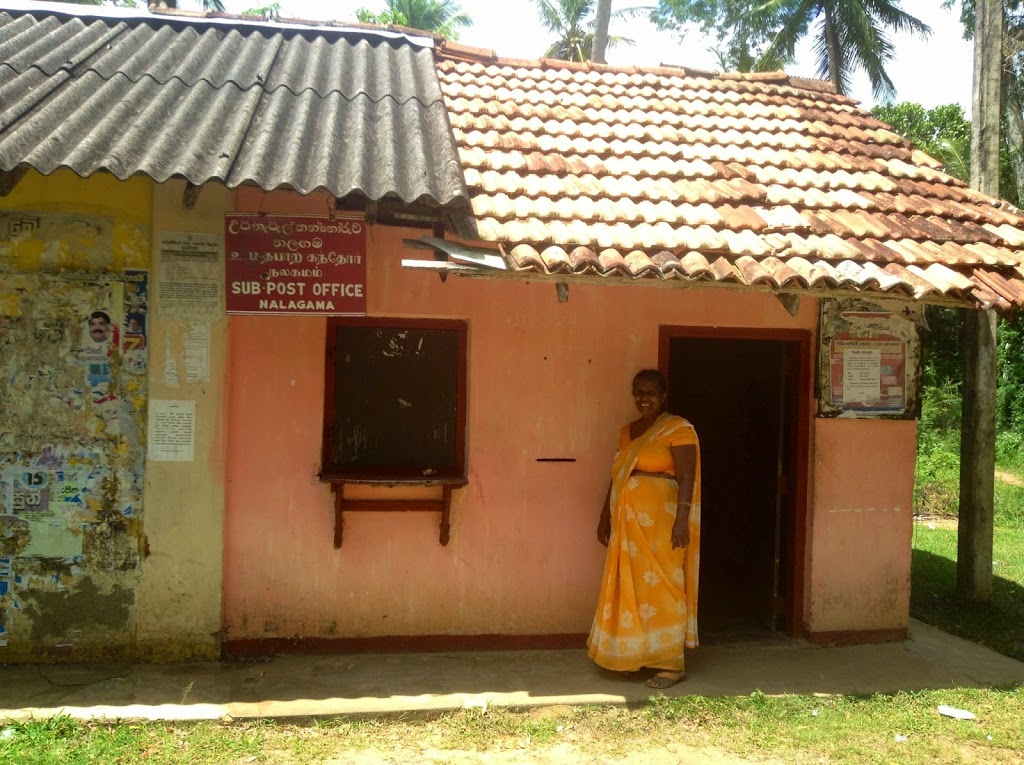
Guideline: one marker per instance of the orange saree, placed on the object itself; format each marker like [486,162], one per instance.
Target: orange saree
[647,608]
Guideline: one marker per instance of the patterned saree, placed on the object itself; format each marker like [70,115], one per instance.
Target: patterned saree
[647,608]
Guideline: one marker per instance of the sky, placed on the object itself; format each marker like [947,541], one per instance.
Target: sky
[931,72]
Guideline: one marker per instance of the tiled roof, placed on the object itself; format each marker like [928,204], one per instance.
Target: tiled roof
[756,180]
[278,106]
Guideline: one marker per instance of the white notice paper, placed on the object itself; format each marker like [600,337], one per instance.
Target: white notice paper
[172,430]
[862,375]
[170,369]
[197,352]
[191,283]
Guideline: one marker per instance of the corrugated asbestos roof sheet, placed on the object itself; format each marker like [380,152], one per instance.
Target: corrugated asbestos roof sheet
[754,180]
[278,107]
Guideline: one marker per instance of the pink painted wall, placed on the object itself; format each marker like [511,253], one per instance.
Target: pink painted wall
[545,380]
[861,525]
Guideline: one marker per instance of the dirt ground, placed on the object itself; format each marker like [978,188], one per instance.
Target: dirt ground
[1010,478]
[562,754]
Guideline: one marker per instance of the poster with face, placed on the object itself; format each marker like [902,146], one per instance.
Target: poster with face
[99,344]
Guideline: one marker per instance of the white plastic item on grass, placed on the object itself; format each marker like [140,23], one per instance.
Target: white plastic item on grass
[959,714]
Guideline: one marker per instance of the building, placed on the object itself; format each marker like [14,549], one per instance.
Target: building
[264,283]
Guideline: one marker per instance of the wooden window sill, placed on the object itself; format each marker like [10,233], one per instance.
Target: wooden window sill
[404,505]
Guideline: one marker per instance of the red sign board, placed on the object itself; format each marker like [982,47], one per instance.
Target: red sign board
[295,264]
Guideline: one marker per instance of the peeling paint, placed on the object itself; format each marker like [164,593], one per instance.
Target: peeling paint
[62,614]
[73,364]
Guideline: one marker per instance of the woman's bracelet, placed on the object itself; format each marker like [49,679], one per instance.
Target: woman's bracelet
[683,503]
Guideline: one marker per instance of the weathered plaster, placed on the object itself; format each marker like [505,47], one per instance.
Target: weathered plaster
[59,615]
[179,603]
[861,525]
[72,453]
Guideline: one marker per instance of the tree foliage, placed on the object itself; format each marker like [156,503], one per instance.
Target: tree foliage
[763,34]
[442,17]
[115,3]
[945,133]
[942,132]
[573,22]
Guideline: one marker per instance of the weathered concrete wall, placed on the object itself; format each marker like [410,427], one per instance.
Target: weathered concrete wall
[180,592]
[546,379]
[74,256]
[862,522]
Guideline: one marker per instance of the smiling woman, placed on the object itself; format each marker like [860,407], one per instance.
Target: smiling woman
[650,523]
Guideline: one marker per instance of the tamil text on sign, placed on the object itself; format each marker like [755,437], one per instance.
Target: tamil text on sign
[309,264]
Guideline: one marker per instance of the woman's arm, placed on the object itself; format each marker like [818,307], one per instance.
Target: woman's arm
[604,525]
[685,458]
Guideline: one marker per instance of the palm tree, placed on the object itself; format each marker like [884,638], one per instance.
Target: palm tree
[848,34]
[443,17]
[573,21]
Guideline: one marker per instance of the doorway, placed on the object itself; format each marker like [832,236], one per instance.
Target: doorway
[746,392]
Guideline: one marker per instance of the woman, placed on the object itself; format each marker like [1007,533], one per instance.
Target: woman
[650,523]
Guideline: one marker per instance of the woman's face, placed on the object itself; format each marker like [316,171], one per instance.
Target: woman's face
[648,397]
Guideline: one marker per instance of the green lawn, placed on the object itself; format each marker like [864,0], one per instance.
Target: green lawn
[998,623]
[900,728]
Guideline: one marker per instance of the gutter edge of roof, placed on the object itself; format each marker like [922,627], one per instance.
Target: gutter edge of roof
[146,15]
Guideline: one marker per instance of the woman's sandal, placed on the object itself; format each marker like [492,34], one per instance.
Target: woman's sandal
[665,679]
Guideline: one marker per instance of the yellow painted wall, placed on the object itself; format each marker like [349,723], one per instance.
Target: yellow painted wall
[72,450]
[147,583]
[180,595]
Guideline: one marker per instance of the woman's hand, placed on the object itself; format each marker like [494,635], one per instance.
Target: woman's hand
[680,532]
[604,528]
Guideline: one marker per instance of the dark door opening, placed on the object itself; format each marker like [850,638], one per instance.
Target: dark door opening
[742,396]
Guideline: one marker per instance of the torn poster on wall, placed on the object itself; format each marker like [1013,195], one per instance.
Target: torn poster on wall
[869,359]
[50,504]
[72,455]
[6,596]
[136,309]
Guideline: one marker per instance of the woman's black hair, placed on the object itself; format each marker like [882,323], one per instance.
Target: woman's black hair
[654,376]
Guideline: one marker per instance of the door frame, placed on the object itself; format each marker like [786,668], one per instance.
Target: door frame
[796,579]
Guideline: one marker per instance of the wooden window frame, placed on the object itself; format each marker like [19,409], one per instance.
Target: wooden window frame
[339,474]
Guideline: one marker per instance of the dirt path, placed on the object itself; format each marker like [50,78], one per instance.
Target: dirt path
[563,754]
[1010,478]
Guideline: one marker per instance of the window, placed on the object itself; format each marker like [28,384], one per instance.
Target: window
[395,401]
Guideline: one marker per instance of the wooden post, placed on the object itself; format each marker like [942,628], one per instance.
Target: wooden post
[977,425]
[977,457]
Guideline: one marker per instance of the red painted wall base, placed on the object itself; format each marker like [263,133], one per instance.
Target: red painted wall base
[857,637]
[401,643]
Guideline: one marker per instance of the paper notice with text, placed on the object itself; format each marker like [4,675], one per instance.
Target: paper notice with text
[172,430]
[197,352]
[191,283]
[862,374]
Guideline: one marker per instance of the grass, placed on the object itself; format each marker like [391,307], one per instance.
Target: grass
[901,727]
[997,623]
